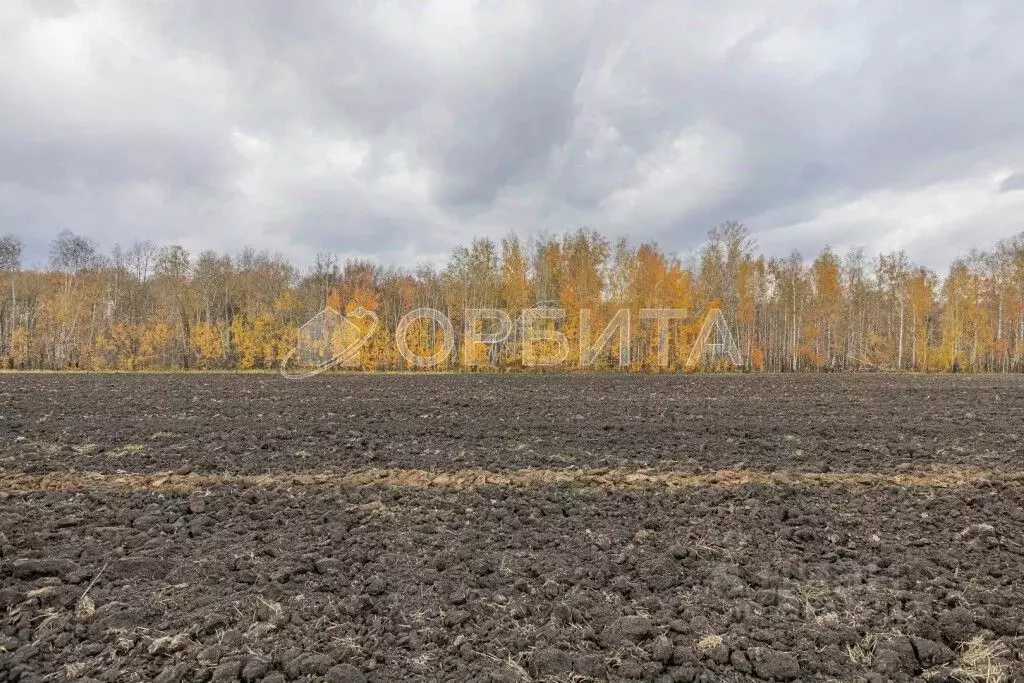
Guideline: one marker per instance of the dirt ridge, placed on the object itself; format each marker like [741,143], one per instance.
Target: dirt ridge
[577,478]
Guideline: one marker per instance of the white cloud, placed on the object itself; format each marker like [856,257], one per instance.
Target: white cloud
[928,221]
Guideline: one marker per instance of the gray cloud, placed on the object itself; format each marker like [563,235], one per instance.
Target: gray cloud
[398,130]
[1013,183]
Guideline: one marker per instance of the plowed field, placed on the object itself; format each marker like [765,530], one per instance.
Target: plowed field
[511,528]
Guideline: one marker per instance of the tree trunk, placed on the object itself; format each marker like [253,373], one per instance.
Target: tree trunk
[899,356]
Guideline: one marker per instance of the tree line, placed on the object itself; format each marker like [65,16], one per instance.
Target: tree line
[159,307]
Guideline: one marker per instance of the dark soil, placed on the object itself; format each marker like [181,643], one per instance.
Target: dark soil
[265,423]
[283,578]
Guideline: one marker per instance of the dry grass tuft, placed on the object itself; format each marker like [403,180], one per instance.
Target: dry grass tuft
[75,670]
[863,653]
[126,450]
[978,661]
[174,643]
[516,669]
[85,607]
[509,665]
[709,642]
[165,595]
[41,592]
[45,447]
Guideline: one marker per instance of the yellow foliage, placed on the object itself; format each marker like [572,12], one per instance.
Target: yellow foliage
[154,343]
[206,339]
[19,346]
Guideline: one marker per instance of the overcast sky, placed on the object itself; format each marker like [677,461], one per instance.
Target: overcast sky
[399,129]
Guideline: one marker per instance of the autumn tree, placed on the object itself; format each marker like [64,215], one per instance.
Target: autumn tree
[11,248]
[921,301]
[827,307]
[73,256]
